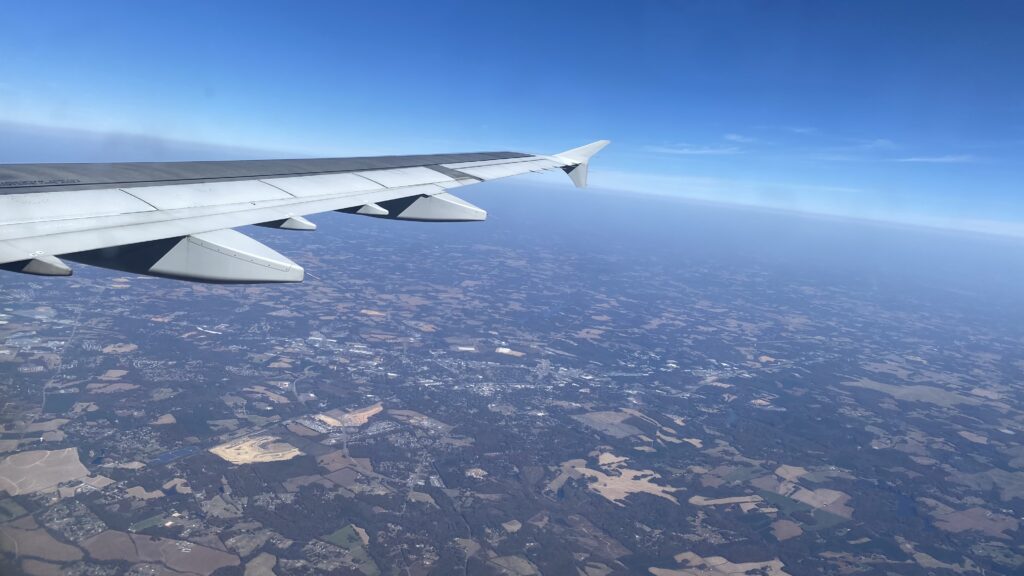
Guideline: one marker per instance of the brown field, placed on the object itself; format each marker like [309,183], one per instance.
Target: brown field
[40,470]
[702,501]
[40,568]
[25,538]
[104,388]
[973,437]
[422,498]
[694,565]
[47,426]
[512,526]
[785,529]
[977,519]
[113,374]
[9,445]
[826,499]
[517,565]
[268,394]
[176,555]
[916,393]
[294,484]
[420,420]
[262,565]
[179,485]
[120,348]
[165,420]
[791,473]
[143,494]
[615,482]
[337,460]
[256,449]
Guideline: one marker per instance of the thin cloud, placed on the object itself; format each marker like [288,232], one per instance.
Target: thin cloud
[739,138]
[687,150]
[877,144]
[946,159]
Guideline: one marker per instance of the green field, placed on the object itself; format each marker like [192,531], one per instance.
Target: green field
[348,539]
[150,522]
[9,510]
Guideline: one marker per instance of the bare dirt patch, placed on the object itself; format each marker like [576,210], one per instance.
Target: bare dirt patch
[256,449]
[361,416]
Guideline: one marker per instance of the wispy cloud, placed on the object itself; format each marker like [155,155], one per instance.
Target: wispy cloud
[739,138]
[800,129]
[688,150]
[946,159]
[826,200]
[876,144]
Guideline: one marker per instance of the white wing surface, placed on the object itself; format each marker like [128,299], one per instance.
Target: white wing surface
[174,219]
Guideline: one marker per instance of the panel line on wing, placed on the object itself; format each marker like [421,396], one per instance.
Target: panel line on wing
[271,184]
[137,198]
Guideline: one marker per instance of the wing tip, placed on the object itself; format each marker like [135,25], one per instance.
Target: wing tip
[577,160]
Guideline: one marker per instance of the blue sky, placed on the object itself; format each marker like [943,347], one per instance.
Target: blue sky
[908,111]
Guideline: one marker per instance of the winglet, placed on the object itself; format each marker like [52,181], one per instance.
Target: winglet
[576,161]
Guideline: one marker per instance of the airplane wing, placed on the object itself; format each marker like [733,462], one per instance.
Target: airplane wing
[175,219]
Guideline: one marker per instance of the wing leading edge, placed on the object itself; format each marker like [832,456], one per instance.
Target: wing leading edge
[174,219]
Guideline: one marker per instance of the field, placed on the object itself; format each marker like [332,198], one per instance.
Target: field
[351,538]
[615,482]
[26,538]
[40,470]
[152,521]
[9,510]
[177,555]
[610,422]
